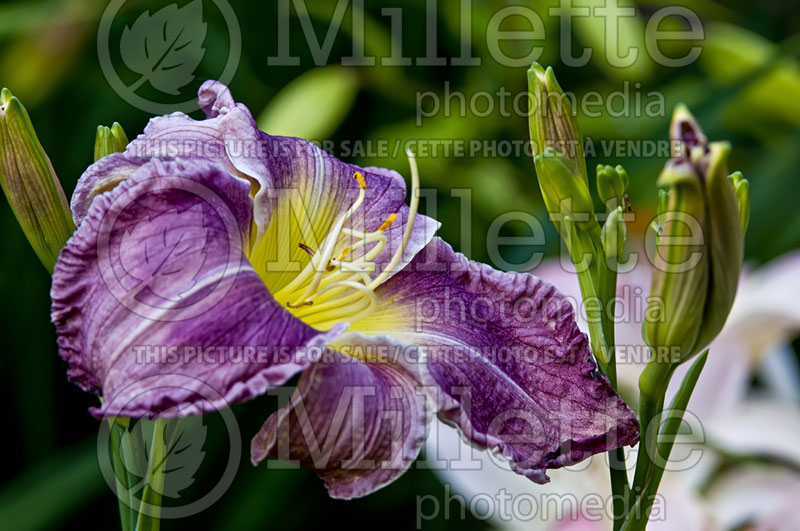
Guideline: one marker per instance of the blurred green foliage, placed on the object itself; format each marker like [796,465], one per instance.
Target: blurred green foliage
[743,88]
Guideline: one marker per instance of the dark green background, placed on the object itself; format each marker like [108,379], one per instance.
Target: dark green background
[48,58]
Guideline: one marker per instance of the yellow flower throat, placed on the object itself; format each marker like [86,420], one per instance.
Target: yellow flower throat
[336,286]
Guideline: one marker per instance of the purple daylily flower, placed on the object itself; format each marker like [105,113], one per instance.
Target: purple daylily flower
[213,253]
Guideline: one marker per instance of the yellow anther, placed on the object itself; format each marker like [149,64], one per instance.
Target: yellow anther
[344,253]
[358,176]
[388,223]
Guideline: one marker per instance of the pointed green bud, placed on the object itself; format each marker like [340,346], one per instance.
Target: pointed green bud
[30,183]
[613,236]
[684,133]
[559,161]
[699,248]
[612,183]
[109,140]
[741,188]
[558,183]
[552,123]
[564,194]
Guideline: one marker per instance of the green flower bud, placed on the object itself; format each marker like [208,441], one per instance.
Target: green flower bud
[613,236]
[552,124]
[560,165]
[612,183]
[109,140]
[564,194]
[680,278]
[684,133]
[726,243]
[699,247]
[30,183]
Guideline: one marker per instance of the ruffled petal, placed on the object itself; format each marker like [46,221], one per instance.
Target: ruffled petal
[358,419]
[298,189]
[229,137]
[102,176]
[154,302]
[515,372]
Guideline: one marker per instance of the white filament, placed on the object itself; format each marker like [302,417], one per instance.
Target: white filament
[338,287]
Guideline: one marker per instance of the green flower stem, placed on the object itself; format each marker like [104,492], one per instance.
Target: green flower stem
[140,512]
[607,291]
[616,458]
[607,275]
[149,512]
[596,335]
[652,389]
[640,513]
[598,284]
[649,410]
[131,450]
[579,244]
[118,427]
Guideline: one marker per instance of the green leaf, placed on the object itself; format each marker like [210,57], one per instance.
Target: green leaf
[313,105]
[731,54]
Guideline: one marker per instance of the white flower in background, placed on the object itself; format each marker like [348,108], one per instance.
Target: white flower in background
[746,474]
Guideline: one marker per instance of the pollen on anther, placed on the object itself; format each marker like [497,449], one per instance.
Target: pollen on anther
[358,176]
[388,223]
[306,248]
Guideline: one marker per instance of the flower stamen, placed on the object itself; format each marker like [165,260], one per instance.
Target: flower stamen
[336,286]
[311,252]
